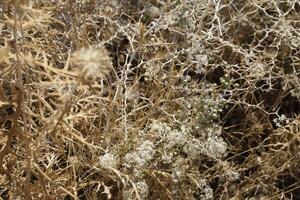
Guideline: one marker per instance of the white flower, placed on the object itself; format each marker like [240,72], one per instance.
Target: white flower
[142,187]
[170,137]
[215,147]
[175,138]
[202,59]
[178,169]
[142,155]
[258,69]
[108,160]
[193,148]
[232,175]
[166,157]
[206,190]
[146,150]
[161,129]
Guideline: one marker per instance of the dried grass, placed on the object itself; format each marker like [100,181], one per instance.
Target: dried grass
[149,99]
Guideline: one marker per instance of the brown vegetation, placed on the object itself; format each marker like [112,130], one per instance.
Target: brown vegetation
[183,99]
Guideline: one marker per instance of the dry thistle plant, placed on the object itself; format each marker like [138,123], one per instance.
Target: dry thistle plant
[93,63]
[143,100]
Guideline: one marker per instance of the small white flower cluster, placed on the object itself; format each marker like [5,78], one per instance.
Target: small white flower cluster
[202,59]
[179,169]
[206,190]
[171,140]
[176,138]
[83,1]
[178,17]
[197,54]
[258,69]
[152,70]
[212,145]
[286,29]
[169,19]
[281,120]
[141,156]
[153,11]
[232,175]
[215,146]
[108,160]
[194,147]
[142,189]
[159,128]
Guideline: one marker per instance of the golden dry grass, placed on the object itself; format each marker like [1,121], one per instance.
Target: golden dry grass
[149,99]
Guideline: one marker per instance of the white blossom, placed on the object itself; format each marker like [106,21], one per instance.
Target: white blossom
[108,160]
[215,147]
[141,156]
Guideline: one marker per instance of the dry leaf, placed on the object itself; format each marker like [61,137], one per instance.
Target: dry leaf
[4,55]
